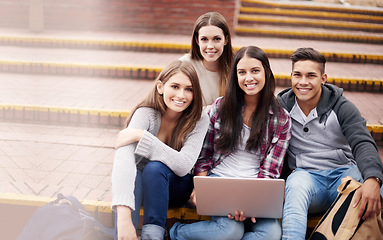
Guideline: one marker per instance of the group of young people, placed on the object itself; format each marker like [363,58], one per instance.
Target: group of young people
[215,114]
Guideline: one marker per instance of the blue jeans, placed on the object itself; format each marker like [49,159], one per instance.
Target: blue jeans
[311,192]
[223,228]
[159,188]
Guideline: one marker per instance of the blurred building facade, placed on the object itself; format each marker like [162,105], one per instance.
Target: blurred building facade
[167,16]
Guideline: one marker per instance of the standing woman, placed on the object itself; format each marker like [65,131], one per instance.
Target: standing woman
[247,137]
[156,152]
[211,55]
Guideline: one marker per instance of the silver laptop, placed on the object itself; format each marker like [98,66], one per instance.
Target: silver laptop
[257,197]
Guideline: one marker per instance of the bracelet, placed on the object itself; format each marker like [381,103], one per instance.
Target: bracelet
[378,180]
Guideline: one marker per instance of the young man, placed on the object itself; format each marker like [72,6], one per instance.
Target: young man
[329,141]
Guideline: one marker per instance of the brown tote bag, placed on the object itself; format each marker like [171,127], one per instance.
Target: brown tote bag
[341,222]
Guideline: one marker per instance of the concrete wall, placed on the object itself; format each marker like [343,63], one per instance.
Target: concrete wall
[167,16]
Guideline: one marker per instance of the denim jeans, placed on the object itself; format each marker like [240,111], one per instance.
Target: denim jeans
[159,188]
[311,192]
[223,228]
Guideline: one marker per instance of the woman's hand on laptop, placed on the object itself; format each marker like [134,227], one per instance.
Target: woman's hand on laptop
[192,195]
[240,216]
[192,198]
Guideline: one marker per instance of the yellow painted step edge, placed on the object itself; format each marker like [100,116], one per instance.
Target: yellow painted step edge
[93,42]
[79,65]
[168,46]
[159,69]
[340,24]
[306,13]
[80,111]
[38,201]
[368,38]
[316,7]
[113,113]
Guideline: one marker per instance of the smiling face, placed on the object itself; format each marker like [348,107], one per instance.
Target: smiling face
[251,75]
[177,92]
[211,41]
[306,80]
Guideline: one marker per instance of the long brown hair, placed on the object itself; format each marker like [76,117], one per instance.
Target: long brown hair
[190,116]
[214,19]
[233,103]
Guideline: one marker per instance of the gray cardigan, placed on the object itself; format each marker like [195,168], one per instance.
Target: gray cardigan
[151,148]
[336,135]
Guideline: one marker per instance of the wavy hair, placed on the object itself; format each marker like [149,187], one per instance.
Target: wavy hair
[190,116]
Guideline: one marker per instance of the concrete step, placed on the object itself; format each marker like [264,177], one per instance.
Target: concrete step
[351,83]
[310,33]
[306,21]
[106,102]
[337,52]
[145,65]
[63,100]
[313,9]
[259,19]
[313,15]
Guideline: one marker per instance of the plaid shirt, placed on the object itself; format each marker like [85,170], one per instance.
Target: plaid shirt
[272,150]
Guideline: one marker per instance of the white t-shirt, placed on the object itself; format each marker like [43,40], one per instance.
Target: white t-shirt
[299,115]
[241,163]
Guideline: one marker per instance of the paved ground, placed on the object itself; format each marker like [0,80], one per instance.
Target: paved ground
[43,160]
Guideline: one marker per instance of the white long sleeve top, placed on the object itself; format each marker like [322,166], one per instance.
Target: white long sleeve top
[150,147]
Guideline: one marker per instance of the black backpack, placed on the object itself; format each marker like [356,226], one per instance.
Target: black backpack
[65,218]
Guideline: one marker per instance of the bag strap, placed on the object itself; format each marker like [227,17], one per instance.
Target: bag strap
[348,185]
[76,203]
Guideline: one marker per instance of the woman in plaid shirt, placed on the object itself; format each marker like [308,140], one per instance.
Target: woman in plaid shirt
[248,137]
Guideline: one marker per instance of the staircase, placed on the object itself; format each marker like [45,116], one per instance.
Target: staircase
[65,95]
[309,21]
